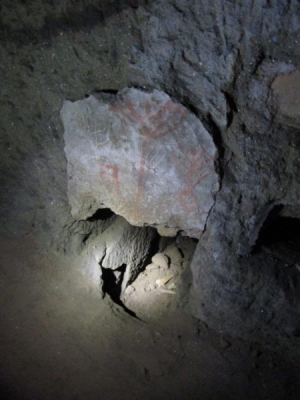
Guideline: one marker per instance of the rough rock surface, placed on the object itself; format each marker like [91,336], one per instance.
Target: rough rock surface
[124,244]
[143,156]
[241,283]
[221,59]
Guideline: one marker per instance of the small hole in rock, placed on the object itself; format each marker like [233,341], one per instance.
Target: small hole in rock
[281,229]
[278,230]
[101,214]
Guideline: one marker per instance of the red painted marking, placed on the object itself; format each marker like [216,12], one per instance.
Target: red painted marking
[168,130]
[148,107]
[168,106]
[141,179]
[113,171]
[195,166]
[128,111]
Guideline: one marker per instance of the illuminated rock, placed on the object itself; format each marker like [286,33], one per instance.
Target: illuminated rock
[287,91]
[143,156]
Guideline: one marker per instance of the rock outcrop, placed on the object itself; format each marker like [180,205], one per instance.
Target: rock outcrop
[143,156]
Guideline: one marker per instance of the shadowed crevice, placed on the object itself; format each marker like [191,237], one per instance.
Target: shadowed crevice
[112,285]
[101,214]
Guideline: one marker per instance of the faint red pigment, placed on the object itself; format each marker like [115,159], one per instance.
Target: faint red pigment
[195,165]
[147,120]
[111,170]
[153,125]
[197,168]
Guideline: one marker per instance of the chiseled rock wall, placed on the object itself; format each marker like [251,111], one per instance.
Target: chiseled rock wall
[142,155]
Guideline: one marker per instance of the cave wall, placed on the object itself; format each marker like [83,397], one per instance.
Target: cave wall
[143,156]
[234,64]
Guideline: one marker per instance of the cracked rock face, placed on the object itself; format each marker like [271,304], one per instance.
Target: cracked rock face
[143,156]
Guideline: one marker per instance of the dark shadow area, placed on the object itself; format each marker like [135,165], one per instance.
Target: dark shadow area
[231,108]
[112,280]
[216,133]
[281,229]
[8,393]
[71,20]
[278,229]
[112,285]
[11,389]
[154,248]
[102,214]
[106,91]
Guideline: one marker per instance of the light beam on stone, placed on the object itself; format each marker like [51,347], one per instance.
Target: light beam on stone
[143,156]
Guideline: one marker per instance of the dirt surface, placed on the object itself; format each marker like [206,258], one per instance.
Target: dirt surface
[60,340]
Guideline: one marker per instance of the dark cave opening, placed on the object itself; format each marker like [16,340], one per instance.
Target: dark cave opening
[279,230]
[102,214]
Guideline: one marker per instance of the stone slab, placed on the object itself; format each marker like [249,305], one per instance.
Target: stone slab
[144,156]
